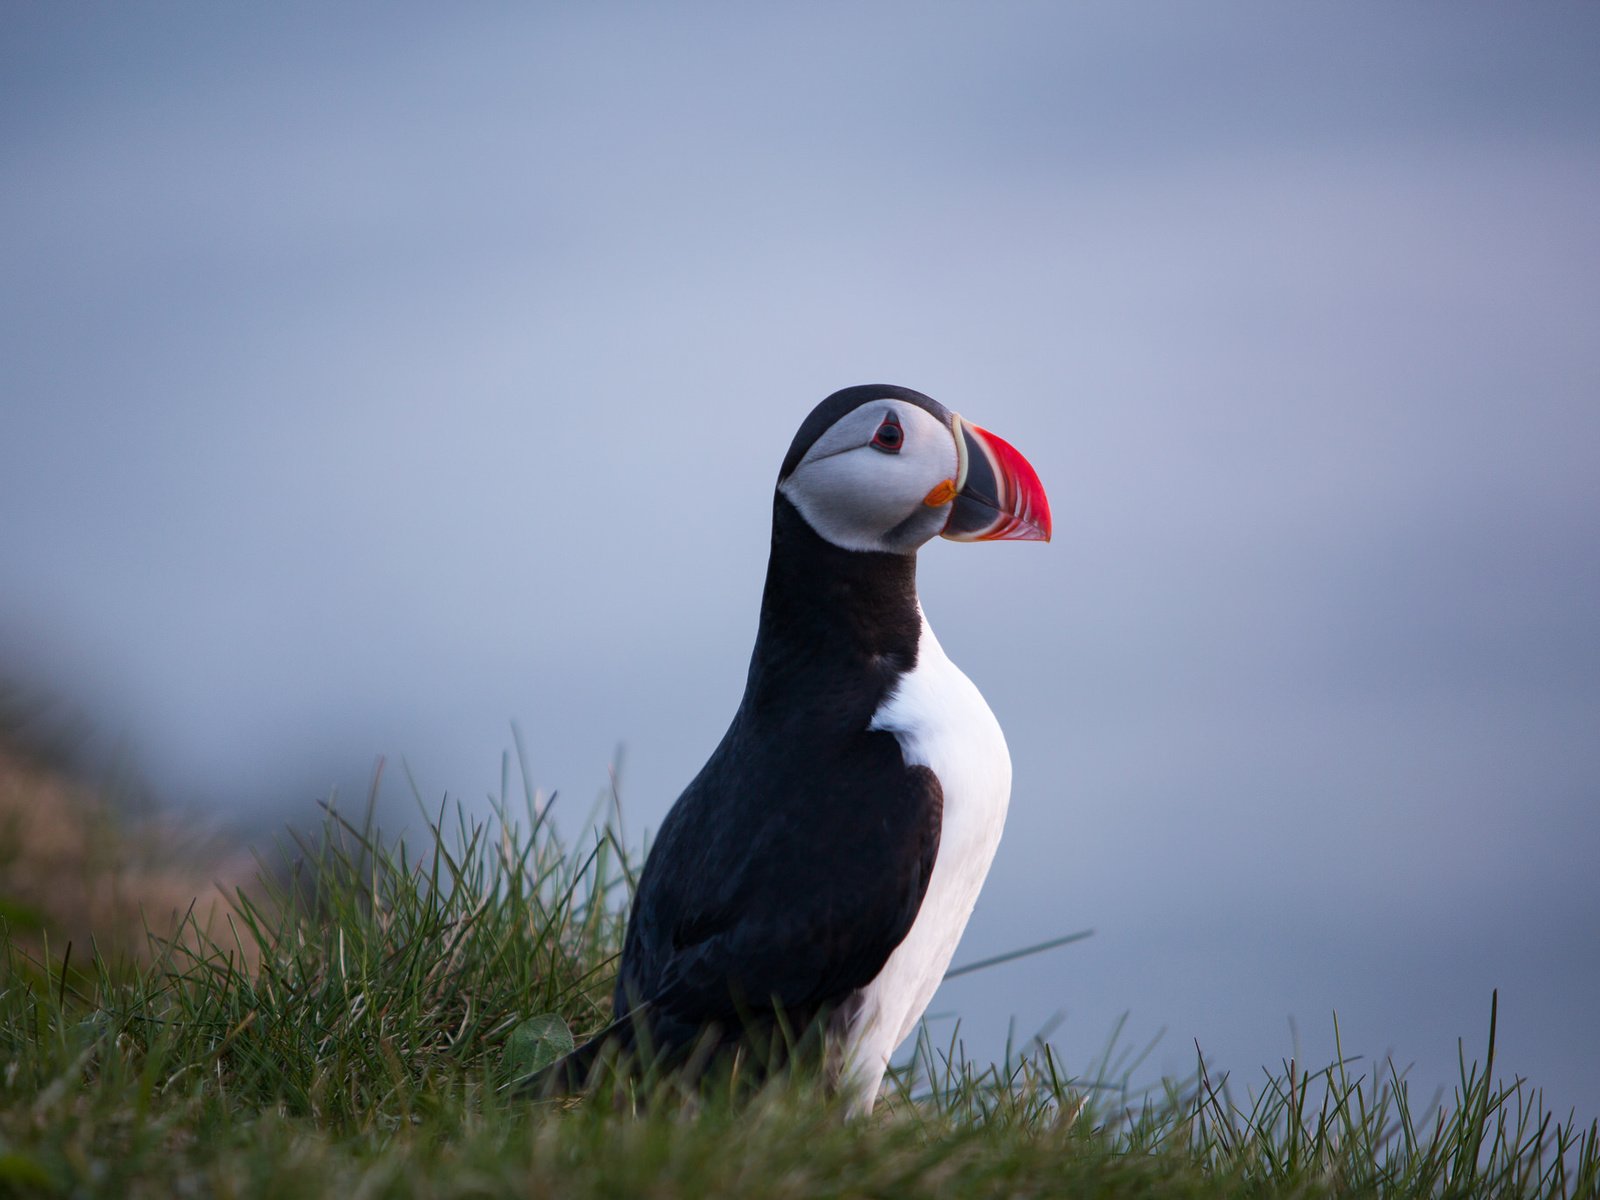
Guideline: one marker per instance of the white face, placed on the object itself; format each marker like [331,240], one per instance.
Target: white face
[858,490]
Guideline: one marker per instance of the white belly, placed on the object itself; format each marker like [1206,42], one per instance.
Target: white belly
[941,722]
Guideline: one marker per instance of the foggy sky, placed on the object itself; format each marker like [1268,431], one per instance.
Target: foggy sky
[372,381]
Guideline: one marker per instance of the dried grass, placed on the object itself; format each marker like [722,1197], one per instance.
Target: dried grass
[75,868]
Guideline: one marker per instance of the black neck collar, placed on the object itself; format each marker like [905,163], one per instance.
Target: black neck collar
[838,627]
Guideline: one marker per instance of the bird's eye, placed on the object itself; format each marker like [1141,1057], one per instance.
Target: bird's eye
[890,436]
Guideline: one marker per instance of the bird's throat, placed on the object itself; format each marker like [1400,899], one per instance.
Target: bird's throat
[831,617]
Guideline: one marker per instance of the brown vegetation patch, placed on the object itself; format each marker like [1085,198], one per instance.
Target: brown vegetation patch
[74,868]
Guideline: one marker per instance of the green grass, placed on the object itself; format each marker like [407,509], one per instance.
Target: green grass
[351,1032]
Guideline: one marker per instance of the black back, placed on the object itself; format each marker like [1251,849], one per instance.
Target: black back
[797,859]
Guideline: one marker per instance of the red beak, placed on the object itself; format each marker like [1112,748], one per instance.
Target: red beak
[998,493]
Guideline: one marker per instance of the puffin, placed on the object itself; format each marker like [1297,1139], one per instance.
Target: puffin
[818,871]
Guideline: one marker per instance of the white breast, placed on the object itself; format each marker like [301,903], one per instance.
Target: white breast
[941,722]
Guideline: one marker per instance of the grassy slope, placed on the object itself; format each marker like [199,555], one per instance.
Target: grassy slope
[386,1000]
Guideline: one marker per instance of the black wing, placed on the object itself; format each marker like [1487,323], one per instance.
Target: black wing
[780,884]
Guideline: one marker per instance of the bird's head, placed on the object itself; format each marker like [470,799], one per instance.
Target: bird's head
[885,468]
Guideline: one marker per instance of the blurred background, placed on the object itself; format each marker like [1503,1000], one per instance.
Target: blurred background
[376,377]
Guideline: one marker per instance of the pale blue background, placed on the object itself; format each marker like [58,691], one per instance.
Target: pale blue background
[373,379]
